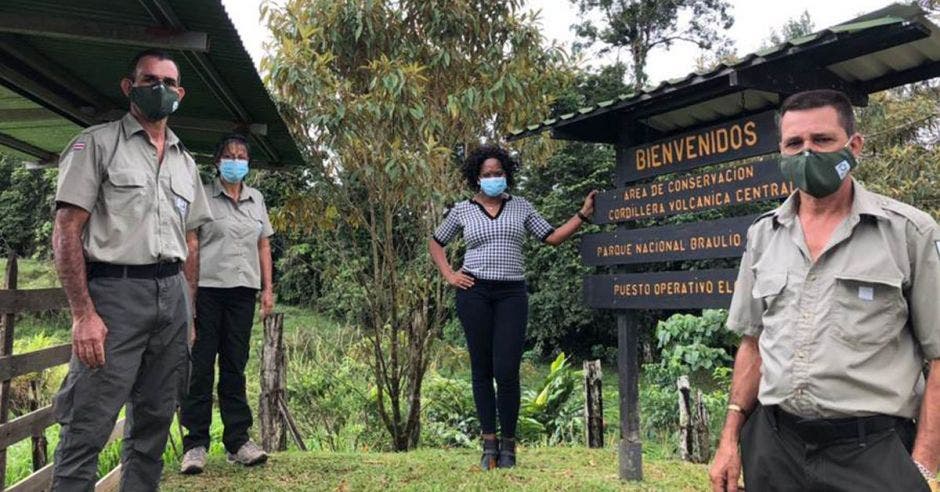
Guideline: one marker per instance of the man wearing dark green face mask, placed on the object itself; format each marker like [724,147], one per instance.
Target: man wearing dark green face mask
[128,204]
[836,301]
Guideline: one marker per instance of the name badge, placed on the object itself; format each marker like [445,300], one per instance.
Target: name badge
[181,205]
[866,293]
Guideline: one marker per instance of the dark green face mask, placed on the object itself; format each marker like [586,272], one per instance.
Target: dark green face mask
[818,173]
[155,101]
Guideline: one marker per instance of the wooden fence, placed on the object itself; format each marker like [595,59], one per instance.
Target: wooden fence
[33,424]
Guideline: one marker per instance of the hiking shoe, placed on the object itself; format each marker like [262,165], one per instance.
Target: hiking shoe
[490,454]
[249,454]
[507,453]
[194,461]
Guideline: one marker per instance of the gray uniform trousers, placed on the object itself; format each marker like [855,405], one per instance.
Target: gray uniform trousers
[145,361]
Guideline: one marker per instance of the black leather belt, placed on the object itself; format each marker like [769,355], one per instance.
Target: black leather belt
[827,430]
[110,270]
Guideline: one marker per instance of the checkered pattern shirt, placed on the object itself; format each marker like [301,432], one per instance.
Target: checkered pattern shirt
[494,244]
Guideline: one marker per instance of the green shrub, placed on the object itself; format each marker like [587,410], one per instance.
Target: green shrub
[694,346]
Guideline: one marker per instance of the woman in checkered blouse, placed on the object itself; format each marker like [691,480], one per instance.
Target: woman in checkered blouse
[492,301]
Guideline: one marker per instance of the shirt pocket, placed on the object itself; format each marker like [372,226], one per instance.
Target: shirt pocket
[869,308]
[181,184]
[256,223]
[126,192]
[770,290]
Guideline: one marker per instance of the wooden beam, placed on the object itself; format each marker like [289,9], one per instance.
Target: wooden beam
[25,85]
[27,148]
[27,115]
[62,78]
[117,432]
[40,480]
[77,29]
[12,366]
[796,77]
[21,428]
[32,300]
[111,481]
[917,74]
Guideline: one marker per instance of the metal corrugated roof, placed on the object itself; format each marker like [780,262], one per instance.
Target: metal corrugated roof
[883,49]
[64,83]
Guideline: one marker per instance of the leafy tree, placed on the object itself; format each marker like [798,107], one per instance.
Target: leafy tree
[26,201]
[791,29]
[384,94]
[902,159]
[642,25]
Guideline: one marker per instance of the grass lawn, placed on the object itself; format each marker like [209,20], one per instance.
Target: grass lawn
[559,468]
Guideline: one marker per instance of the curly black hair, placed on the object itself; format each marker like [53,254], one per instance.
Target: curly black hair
[474,161]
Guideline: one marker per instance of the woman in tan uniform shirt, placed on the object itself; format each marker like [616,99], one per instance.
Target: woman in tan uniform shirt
[234,264]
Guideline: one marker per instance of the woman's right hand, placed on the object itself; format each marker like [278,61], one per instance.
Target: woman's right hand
[460,280]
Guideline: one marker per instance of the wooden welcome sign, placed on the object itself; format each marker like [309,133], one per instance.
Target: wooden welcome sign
[725,142]
[746,183]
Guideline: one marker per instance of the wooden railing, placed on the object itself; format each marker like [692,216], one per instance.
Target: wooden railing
[33,424]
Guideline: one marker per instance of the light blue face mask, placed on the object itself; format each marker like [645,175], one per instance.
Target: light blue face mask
[233,170]
[493,187]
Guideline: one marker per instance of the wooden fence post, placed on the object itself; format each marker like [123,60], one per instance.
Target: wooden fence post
[685,435]
[40,444]
[694,439]
[593,404]
[6,348]
[273,382]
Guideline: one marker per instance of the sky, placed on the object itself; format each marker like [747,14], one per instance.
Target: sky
[754,20]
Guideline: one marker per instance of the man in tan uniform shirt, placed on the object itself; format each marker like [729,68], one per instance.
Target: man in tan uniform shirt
[837,302]
[129,200]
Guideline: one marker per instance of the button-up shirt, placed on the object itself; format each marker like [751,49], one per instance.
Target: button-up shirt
[228,246]
[845,335]
[140,209]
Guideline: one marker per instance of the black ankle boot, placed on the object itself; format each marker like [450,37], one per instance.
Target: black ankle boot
[507,453]
[491,454]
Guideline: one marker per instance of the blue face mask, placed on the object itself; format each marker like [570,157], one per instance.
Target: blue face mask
[233,170]
[493,187]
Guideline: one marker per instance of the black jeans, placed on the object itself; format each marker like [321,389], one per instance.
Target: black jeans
[777,458]
[223,327]
[494,315]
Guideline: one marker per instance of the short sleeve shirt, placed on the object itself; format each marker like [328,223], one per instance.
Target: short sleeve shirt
[139,209]
[494,244]
[845,335]
[228,245]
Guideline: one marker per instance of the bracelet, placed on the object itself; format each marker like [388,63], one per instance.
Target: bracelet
[584,218]
[737,408]
[925,472]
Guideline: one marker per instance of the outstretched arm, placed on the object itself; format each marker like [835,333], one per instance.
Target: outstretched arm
[565,231]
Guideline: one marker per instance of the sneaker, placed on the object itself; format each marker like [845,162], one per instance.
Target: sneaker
[490,454]
[249,454]
[194,461]
[507,453]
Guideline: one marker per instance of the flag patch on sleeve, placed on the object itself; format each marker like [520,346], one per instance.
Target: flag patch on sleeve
[77,146]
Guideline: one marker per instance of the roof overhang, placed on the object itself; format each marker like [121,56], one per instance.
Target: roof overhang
[893,46]
[61,62]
